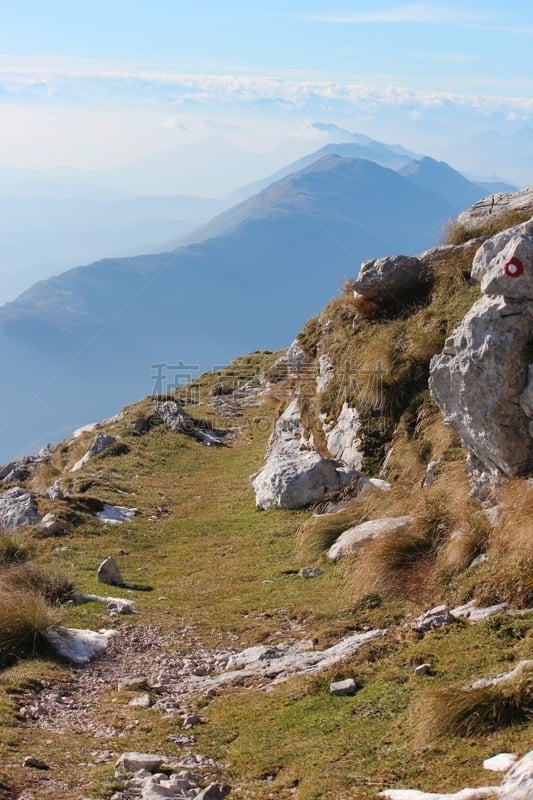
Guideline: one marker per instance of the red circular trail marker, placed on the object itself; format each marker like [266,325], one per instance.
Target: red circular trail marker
[514,267]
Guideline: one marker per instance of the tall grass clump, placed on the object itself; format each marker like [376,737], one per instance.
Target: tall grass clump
[443,713]
[24,620]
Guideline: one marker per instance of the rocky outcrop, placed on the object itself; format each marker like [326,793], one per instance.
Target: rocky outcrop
[100,443]
[495,205]
[17,509]
[482,379]
[343,437]
[295,475]
[352,539]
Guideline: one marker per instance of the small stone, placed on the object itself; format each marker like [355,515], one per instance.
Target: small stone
[422,669]
[133,683]
[310,572]
[191,720]
[434,618]
[108,572]
[345,688]
[34,763]
[215,791]
[142,701]
[121,607]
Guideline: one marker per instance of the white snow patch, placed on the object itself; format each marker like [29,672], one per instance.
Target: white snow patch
[115,515]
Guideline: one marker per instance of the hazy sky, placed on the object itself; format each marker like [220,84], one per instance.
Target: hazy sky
[96,83]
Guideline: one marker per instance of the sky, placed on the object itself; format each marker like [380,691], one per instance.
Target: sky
[100,83]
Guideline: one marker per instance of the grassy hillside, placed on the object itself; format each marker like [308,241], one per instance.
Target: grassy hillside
[225,575]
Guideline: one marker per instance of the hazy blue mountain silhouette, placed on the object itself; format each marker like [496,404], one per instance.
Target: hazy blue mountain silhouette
[76,347]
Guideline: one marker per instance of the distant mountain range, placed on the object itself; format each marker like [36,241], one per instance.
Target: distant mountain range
[78,346]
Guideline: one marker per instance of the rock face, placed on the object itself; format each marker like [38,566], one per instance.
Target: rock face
[343,437]
[482,381]
[17,509]
[495,205]
[385,280]
[353,538]
[295,475]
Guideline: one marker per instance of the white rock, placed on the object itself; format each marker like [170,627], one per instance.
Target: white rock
[54,492]
[17,509]
[78,645]
[478,613]
[326,373]
[343,437]
[434,618]
[101,442]
[132,762]
[49,524]
[501,762]
[503,677]
[345,688]
[504,263]
[352,539]
[517,784]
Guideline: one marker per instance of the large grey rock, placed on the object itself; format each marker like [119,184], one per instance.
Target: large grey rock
[504,263]
[100,443]
[300,481]
[215,791]
[17,509]
[295,475]
[385,281]
[353,538]
[478,381]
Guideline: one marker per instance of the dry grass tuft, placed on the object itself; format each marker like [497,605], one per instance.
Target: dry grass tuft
[458,712]
[456,233]
[24,619]
[383,565]
[317,533]
[50,583]
[11,552]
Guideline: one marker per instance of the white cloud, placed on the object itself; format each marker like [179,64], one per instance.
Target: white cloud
[412,13]
[97,83]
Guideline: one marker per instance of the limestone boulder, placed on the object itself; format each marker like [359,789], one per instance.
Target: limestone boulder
[299,481]
[17,509]
[504,263]
[385,281]
[478,381]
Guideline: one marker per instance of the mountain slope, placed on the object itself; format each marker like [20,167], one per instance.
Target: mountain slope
[77,346]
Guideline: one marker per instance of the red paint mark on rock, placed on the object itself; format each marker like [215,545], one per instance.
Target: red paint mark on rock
[514,267]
